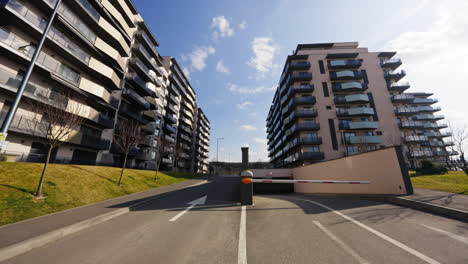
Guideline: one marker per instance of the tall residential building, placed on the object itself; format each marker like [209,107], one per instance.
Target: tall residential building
[102,56]
[339,99]
[202,142]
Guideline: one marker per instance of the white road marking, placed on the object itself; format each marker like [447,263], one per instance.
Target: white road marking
[457,237]
[242,247]
[201,200]
[341,243]
[377,233]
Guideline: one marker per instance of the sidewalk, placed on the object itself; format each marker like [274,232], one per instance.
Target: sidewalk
[448,204]
[30,229]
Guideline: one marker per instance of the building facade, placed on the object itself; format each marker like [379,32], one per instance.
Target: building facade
[338,99]
[102,56]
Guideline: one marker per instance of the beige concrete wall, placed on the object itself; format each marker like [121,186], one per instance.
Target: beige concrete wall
[109,50]
[380,167]
[104,70]
[114,33]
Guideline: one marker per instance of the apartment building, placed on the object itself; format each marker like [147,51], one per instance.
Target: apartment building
[202,142]
[102,56]
[339,99]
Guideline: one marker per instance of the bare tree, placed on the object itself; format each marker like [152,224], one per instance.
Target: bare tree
[127,136]
[460,139]
[55,121]
[162,149]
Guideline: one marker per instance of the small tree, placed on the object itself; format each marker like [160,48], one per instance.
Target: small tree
[162,149]
[460,137]
[54,121]
[126,136]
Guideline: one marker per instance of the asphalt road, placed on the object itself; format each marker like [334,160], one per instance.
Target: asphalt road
[276,229]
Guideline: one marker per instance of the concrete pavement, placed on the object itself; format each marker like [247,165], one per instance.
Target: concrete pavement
[278,229]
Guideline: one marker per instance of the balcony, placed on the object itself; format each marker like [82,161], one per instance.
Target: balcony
[149,140]
[151,127]
[442,126]
[356,125]
[152,114]
[186,138]
[303,100]
[428,109]
[399,86]
[346,75]
[424,101]
[428,117]
[146,154]
[299,65]
[344,64]
[186,129]
[391,63]
[309,141]
[105,121]
[403,98]
[171,118]
[406,110]
[138,82]
[136,98]
[170,128]
[142,52]
[421,153]
[169,139]
[416,139]
[167,161]
[146,40]
[441,153]
[349,87]
[363,140]
[310,156]
[412,124]
[352,99]
[172,108]
[308,126]
[297,89]
[438,134]
[301,76]
[305,113]
[94,142]
[355,111]
[139,66]
[132,113]
[395,75]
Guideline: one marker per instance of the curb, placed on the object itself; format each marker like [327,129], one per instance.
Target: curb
[41,240]
[431,208]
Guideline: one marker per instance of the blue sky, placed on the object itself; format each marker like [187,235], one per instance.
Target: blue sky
[233,52]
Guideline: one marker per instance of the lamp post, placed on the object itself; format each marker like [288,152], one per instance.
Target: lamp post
[217,151]
[14,106]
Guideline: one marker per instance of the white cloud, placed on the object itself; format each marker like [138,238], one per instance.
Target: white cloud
[264,51]
[244,105]
[248,128]
[222,27]
[234,88]
[199,55]
[186,72]
[263,141]
[220,67]
[243,25]
[435,57]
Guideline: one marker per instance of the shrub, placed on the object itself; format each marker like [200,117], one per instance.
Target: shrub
[427,167]
[3,158]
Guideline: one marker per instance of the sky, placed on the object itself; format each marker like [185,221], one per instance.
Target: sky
[233,52]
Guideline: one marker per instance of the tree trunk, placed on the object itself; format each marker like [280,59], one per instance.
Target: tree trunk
[158,165]
[123,169]
[463,163]
[41,180]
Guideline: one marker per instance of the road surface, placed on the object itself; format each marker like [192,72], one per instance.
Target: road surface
[187,227]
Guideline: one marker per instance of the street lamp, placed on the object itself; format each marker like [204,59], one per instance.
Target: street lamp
[217,151]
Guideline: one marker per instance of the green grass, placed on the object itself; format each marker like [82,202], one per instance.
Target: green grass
[454,182]
[68,186]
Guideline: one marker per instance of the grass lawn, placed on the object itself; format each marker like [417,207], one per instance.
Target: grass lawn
[68,186]
[454,181]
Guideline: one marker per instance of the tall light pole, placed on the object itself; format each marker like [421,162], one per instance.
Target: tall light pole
[217,151]
[14,106]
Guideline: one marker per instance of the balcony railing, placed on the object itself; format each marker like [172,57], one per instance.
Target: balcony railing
[399,86]
[308,126]
[44,59]
[428,109]
[406,110]
[403,98]
[392,63]
[94,142]
[299,65]
[344,64]
[428,117]
[310,140]
[304,100]
[363,140]
[395,75]
[137,98]
[171,128]
[412,124]
[359,125]
[301,76]
[346,75]
[349,87]
[424,101]
[77,23]
[352,99]
[416,138]
[356,111]
[305,113]
[305,156]
[421,153]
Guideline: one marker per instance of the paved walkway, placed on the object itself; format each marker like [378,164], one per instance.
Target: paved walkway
[451,200]
[20,231]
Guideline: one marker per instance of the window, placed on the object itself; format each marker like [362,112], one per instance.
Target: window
[350,150]
[379,133]
[321,66]
[328,107]
[312,149]
[371,148]
[369,133]
[331,125]
[325,89]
